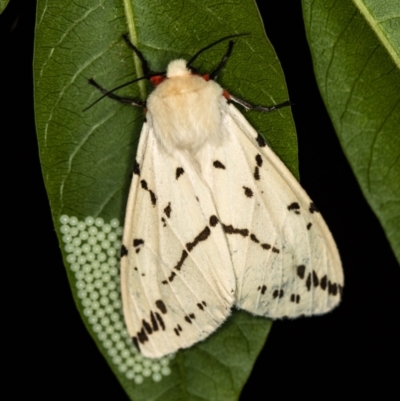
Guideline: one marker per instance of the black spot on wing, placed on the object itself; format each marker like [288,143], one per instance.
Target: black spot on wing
[213,221]
[190,317]
[254,238]
[301,271]
[167,210]
[277,294]
[135,343]
[256,173]
[313,208]
[179,172]
[153,197]
[124,251]
[147,326]
[218,164]
[260,140]
[295,298]
[248,192]
[309,226]
[332,288]
[161,305]
[171,276]
[164,222]
[231,230]
[259,160]
[160,320]
[201,305]
[275,250]
[201,237]
[137,242]
[324,282]
[295,207]
[266,246]
[142,336]
[177,330]
[315,279]
[136,168]
[181,260]
[262,289]
[154,323]
[308,282]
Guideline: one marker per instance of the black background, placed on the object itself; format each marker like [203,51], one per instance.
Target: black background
[347,351]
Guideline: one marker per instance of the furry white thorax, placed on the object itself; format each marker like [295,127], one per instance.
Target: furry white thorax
[185,111]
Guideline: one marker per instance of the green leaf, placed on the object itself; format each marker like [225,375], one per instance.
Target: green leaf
[356,62]
[3,5]
[87,157]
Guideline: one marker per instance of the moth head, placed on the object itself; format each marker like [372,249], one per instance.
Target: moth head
[177,68]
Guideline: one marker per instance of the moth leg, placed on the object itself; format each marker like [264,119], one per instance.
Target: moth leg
[263,109]
[111,95]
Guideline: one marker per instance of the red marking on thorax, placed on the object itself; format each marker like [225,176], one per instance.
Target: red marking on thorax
[157,79]
[226,95]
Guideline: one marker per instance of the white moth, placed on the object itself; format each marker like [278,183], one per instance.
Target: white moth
[215,220]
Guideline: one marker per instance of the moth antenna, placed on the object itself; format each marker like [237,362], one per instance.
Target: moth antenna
[145,65]
[111,95]
[224,60]
[212,45]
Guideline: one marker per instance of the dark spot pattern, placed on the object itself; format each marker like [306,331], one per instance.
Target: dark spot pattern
[153,197]
[181,260]
[231,230]
[277,294]
[295,298]
[124,251]
[200,306]
[142,336]
[160,320]
[266,246]
[161,305]
[164,222]
[263,289]
[135,343]
[324,282]
[153,321]
[167,210]
[248,192]
[295,207]
[147,327]
[313,208]
[309,226]
[177,330]
[257,173]
[254,238]
[218,164]
[190,317]
[179,172]
[136,168]
[137,242]
[332,288]
[301,271]
[260,140]
[201,237]
[308,282]
[171,277]
[259,160]
[315,279]
[213,221]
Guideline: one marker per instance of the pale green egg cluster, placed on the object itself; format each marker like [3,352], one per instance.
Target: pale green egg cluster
[92,248]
